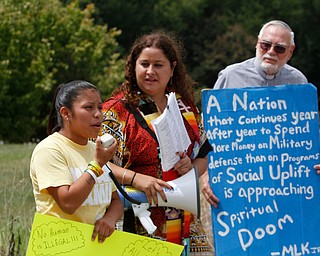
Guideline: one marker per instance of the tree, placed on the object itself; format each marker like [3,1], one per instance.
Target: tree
[43,44]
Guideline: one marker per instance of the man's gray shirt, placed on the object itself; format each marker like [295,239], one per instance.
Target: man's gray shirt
[249,74]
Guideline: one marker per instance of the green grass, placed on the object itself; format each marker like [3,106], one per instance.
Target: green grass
[17,205]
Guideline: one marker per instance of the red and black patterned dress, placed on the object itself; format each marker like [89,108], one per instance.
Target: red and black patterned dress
[138,151]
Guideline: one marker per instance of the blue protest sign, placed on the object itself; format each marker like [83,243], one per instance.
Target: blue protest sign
[265,143]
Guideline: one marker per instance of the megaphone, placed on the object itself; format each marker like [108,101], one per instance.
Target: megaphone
[184,195]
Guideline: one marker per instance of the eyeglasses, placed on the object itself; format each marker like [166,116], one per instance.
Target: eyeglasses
[266,46]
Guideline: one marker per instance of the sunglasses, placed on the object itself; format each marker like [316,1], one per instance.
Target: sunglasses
[265,46]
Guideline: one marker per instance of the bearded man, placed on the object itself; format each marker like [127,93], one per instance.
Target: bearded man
[274,48]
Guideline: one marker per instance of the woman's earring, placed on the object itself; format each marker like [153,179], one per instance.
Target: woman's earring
[135,89]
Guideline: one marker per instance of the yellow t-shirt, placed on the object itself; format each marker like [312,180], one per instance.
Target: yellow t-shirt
[58,161]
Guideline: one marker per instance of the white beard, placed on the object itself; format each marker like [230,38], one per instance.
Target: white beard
[270,69]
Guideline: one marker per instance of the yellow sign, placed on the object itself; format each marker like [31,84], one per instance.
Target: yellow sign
[54,236]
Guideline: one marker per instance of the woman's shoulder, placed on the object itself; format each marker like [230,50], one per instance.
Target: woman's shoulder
[186,104]
[116,106]
[115,101]
[50,144]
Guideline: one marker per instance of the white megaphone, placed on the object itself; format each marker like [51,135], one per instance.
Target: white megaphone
[185,195]
[185,192]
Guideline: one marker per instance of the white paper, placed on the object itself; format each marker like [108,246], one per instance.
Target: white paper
[171,133]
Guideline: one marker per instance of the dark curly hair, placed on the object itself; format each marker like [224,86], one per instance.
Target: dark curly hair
[173,49]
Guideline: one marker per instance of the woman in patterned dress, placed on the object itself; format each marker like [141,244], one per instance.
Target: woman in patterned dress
[155,68]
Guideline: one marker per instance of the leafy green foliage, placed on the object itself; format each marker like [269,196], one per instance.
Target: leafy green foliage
[43,44]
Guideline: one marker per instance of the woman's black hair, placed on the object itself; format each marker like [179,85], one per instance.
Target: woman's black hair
[64,96]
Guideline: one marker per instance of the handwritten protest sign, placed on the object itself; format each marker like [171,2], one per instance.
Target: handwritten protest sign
[265,144]
[54,236]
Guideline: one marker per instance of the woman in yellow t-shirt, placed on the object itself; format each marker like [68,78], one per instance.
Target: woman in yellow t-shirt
[66,168]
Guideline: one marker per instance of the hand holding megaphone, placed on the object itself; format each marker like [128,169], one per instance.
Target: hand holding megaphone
[185,194]
[152,187]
